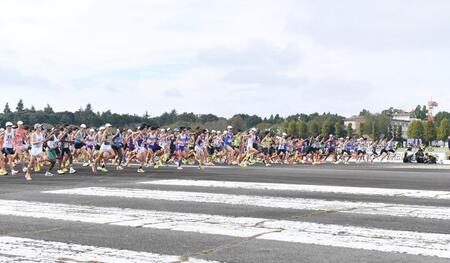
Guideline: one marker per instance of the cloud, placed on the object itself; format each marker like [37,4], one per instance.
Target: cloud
[255,56]
[14,78]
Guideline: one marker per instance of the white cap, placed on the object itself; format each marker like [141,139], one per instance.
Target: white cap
[8,124]
[284,134]
[130,131]
[108,125]
[37,125]
[218,132]
[101,128]
[83,126]
[91,130]
[253,129]
[213,131]
[20,123]
[229,127]
[163,130]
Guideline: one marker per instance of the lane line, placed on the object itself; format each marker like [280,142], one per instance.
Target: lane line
[368,208]
[307,188]
[16,249]
[415,243]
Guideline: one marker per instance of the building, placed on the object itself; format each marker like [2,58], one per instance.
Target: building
[403,119]
[355,121]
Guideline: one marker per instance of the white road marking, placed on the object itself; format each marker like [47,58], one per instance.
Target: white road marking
[307,188]
[415,243]
[16,249]
[384,209]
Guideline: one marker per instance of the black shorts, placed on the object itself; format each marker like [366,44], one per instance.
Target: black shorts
[116,147]
[361,152]
[281,151]
[265,150]
[78,145]
[346,151]
[8,151]
[97,147]
[65,151]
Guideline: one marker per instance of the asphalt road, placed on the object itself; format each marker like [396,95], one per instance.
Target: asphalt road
[253,214]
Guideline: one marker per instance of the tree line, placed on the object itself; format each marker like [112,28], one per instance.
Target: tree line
[375,125]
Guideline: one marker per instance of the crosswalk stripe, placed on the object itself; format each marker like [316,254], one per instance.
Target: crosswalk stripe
[307,188]
[16,249]
[429,244]
[368,208]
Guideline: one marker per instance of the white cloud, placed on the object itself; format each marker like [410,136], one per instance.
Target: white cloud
[225,57]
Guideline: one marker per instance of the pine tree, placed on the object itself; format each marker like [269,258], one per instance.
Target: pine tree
[20,106]
[7,109]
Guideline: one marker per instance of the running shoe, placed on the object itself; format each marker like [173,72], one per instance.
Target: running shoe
[140,170]
[48,174]
[3,172]
[179,168]
[119,168]
[103,169]
[86,164]
[72,171]
[61,171]
[28,177]
[14,172]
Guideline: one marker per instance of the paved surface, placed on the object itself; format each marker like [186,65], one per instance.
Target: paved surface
[286,214]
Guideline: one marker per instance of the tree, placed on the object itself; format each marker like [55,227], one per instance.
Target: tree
[429,131]
[373,131]
[238,123]
[20,106]
[416,130]
[326,129]
[48,109]
[293,128]
[420,112]
[302,129]
[349,130]
[7,109]
[399,133]
[338,129]
[313,128]
[443,130]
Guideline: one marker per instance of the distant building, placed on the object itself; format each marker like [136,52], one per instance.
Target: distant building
[403,119]
[355,121]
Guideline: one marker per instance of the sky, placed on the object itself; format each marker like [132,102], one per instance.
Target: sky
[225,56]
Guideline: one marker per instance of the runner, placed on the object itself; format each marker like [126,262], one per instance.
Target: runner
[37,140]
[106,152]
[8,149]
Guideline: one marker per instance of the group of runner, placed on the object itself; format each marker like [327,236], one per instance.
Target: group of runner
[33,148]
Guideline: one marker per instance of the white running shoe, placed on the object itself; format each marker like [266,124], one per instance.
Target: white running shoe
[48,174]
[179,168]
[86,164]
[25,169]
[72,171]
